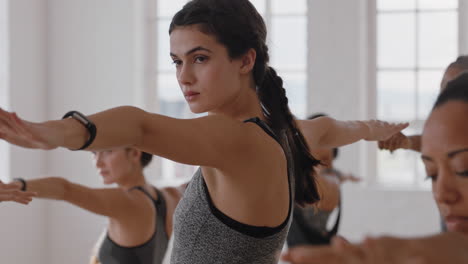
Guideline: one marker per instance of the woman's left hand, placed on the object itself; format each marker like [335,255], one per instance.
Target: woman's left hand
[381,130]
[11,192]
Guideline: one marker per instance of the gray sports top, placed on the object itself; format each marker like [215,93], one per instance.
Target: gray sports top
[151,252]
[203,234]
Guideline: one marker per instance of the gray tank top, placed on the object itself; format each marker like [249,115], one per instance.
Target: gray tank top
[151,252]
[203,234]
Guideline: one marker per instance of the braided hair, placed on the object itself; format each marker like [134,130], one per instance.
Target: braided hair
[238,26]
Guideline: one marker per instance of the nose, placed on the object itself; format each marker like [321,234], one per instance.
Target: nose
[445,188]
[98,162]
[185,75]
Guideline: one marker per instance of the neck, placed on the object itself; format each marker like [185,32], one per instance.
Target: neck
[245,105]
[137,179]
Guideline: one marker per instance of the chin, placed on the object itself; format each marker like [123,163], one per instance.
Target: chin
[107,181]
[196,109]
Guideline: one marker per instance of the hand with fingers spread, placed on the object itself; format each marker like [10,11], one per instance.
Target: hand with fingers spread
[27,134]
[381,130]
[11,192]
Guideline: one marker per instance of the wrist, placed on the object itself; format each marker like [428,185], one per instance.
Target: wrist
[366,129]
[20,183]
[87,124]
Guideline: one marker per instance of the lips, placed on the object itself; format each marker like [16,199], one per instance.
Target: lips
[190,95]
[455,223]
[103,173]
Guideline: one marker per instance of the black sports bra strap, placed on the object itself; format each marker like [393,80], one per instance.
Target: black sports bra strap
[140,188]
[264,126]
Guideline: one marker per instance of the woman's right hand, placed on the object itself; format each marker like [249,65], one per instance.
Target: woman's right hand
[27,134]
[11,192]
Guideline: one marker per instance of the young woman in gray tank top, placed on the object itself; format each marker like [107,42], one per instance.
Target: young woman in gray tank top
[254,161]
[140,216]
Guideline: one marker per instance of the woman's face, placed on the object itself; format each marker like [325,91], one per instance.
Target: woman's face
[445,156]
[209,79]
[115,166]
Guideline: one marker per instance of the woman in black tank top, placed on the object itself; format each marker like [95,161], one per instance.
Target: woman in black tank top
[222,65]
[140,216]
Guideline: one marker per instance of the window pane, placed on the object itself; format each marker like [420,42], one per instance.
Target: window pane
[170,98]
[437,4]
[168,8]
[386,5]
[289,7]
[259,5]
[295,85]
[399,167]
[289,40]
[429,87]
[164,61]
[177,171]
[395,40]
[395,96]
[437,39]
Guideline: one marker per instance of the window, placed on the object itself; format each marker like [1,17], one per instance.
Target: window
[285,21]
[4,161]
[415,42]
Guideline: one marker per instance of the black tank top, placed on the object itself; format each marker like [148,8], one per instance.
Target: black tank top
[151,252]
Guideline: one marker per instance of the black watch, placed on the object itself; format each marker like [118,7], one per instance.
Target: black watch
[86,123]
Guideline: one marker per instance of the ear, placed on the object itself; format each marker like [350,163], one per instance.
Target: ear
[248,61]
[134,154]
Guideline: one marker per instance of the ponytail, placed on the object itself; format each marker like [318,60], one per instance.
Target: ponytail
[275,107]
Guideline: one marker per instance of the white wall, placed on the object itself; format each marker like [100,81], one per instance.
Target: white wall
[92,66]
[65,54]
[23,229]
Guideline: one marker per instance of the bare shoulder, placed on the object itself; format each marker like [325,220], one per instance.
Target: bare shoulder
[139,199]
[258,139]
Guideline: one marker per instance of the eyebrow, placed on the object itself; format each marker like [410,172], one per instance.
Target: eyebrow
[199,48]
[451,154]
[455,152]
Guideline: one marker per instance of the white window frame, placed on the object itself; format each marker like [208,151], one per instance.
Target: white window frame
[4,81]
[370,152]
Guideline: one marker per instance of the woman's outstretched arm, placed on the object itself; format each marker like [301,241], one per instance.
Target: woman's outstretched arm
[326,132]
[112,202]
[213,140]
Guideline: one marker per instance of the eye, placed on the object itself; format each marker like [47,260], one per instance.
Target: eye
[176,62]
[200,59]
[432,177]
[462,173]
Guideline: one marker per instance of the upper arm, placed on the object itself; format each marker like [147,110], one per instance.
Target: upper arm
[315,130]
[213,140]
[110,202]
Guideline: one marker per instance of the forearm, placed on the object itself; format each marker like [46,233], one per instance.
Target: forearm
[342,133]
[50,188]
[118,127]
[448,247]
[415,143]
[326,132]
